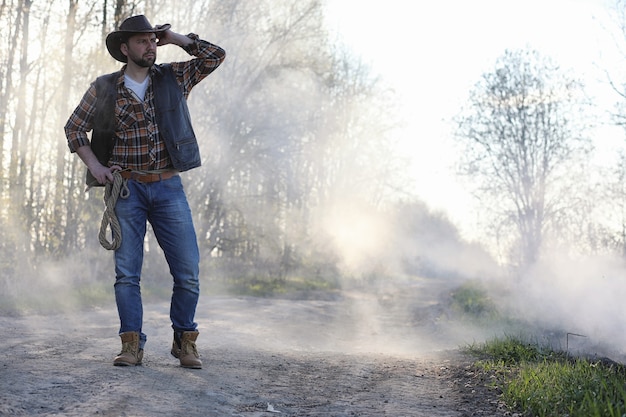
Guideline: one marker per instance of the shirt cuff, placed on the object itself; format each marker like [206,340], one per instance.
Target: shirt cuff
[193,48]
[76,141]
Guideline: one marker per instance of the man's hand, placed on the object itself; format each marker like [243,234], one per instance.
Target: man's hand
[169,37]
[101,173]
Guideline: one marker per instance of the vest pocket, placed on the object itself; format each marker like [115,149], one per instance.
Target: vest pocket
[187,153]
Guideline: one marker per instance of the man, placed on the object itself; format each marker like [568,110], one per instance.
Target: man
[141,130]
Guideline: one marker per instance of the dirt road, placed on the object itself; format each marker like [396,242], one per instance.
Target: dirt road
[353,355]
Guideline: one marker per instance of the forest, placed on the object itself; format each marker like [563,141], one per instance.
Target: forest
[295,134]
[301,180]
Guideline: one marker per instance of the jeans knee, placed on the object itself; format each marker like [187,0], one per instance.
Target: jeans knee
[126,281]
[191,284]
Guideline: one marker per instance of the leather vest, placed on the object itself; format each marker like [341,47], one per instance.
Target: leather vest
[172,117]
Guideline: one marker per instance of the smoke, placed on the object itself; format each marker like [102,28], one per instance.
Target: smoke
[569,301]
[402,239]
[398,262]
[582,295]
[359,235]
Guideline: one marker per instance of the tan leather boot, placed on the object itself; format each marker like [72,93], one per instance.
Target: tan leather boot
[185,350]
[130,355]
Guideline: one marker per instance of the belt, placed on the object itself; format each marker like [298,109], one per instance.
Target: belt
[147,177]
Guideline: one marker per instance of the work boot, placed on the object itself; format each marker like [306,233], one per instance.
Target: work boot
[184,348]
[130,355]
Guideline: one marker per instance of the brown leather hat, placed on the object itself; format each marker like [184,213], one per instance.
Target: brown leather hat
[132,25]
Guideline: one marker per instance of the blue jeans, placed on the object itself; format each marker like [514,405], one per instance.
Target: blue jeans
[163,204]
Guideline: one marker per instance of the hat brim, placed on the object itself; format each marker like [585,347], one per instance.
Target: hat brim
[114,40]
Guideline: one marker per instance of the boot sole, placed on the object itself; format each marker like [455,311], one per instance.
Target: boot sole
[177,356]
[126,364]
[191,367]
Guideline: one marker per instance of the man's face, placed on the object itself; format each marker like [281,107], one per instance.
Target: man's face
[141,49]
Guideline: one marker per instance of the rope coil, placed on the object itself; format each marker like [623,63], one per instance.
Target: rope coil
[112,191]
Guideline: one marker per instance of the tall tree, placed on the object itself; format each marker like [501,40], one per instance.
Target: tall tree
[523,131]
[290,126]
[17,164]
[285,125]
[10,53]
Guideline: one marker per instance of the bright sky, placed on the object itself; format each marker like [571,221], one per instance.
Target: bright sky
[433,52]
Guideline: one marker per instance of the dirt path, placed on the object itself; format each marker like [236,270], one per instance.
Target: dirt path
[262,357]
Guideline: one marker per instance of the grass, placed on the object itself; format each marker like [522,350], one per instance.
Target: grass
[472,301]
[544,383]
[273,287]
[60,297]
[56,300]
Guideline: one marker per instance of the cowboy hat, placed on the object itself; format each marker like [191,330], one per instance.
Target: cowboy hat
[132,25]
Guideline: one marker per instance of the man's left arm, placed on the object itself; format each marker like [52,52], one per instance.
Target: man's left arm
[208,58]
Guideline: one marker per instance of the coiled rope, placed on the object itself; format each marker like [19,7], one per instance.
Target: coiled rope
[112,191]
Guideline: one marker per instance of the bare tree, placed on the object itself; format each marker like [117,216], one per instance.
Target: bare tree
[286,125]
[524,132]
[613,235]
[295,124]
[9,32]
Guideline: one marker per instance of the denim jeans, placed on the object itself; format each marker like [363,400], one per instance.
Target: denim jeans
[163,204]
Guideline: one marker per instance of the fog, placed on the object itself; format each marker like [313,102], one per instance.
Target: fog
[302,184]
[579,295]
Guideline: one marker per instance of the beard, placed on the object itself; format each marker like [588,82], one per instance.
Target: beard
[144,62]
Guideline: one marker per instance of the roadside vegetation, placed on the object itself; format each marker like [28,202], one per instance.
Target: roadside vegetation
[542,382]
[470,300]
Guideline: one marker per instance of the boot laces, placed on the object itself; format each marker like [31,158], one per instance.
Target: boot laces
[127,347]
[189,347]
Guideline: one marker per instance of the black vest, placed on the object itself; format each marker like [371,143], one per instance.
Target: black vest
[172,117]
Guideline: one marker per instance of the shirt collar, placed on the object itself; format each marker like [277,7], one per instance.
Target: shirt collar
[120,79]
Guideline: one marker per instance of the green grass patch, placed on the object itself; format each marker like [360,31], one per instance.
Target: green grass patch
[472,300]
[68,296]
[278,287]
[543,383]
[53,300]
[510,351]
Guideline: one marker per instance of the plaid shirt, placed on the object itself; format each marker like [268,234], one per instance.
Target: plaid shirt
[138,144]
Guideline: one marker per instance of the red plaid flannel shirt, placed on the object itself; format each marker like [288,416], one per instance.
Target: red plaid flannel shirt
[138,143]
